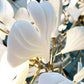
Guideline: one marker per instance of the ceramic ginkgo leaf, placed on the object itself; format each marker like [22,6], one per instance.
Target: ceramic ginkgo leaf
[53,78]
[25,41]
[75,40]
[22,14]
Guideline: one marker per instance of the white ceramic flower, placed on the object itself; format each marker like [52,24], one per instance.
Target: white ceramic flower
[25,41]
[53,78]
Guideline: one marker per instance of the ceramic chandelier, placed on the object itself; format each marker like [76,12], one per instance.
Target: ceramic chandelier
[43,39]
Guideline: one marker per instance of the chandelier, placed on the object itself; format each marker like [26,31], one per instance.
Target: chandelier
[42,40]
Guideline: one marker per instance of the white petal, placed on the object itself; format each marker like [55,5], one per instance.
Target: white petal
[6,13]
[57,4]
[6,9]
[24,42]
[38,15]
[50,19]
[75,40]
[22,73]
[74,2]
[50,16]
[74,12]
[22,14]
[58,8]
[53,78]
[8,73]
[9,22]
